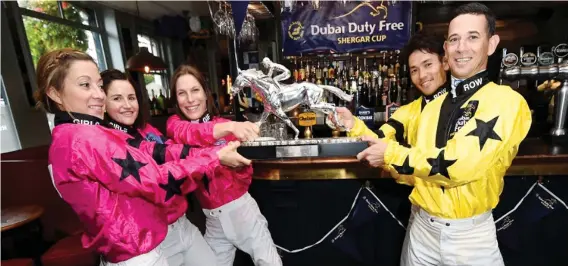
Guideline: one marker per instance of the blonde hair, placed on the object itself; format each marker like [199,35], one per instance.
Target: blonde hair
[52,68]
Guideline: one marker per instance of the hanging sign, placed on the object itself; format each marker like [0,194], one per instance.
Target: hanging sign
[343,28]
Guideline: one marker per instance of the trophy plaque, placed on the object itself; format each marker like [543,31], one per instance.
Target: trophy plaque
[316,147]
[278,99]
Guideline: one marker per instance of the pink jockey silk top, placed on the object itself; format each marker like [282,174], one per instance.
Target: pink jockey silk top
[163,150]
[228,184]
[119,192]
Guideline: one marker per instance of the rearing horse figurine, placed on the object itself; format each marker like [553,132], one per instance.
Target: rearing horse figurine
[281,98]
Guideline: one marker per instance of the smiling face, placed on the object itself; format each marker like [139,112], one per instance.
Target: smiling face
[427,71]
[121,102]
[191,97]
[82,90]
[469,45]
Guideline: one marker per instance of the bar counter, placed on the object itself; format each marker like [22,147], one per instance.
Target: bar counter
[302,199]
[536,157]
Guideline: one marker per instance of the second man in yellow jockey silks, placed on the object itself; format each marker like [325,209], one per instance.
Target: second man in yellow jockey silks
[465,143]
[425,54]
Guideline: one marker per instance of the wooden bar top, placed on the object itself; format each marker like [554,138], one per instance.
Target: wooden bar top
[536,156]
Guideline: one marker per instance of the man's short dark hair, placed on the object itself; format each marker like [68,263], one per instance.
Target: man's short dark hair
[478,9]
[424,42]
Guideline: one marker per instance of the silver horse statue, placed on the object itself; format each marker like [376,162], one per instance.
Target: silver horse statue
[281,98]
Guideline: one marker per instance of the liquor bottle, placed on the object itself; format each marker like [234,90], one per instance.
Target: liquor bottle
[404,83]
[362,86]
[308,73]
[325,70]
[302,71]
[296,72]
[318,73]
[331,70]
[373,88]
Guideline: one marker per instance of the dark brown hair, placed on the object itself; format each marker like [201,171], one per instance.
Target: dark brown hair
[111,75]
[191,70]
[478,9]
[52,68]
[425,42]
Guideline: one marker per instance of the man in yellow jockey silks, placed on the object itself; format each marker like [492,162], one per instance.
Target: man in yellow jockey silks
[425,54]
[465,142]
[428,73]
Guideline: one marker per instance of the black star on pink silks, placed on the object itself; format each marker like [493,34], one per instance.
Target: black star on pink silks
[484,131]
[206,182]
[405,168]
[173,187]
[134,142]
[129,167]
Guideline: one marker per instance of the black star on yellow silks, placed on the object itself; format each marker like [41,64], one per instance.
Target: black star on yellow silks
[129,167]
[440,165]
[443,189]
[405,168]
[173,187]
[484,131]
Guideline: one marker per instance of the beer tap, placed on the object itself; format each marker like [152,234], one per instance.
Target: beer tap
[561,96]
[509,68]
[547,69]
[529,68]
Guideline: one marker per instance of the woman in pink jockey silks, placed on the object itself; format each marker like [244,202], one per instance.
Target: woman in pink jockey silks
[233,217]
[121,195]
[123,104]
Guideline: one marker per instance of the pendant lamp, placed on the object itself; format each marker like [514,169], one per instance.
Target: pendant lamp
[144,61]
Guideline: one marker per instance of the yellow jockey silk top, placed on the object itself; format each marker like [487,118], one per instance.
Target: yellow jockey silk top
[466,144]
[400,127]
[468,139]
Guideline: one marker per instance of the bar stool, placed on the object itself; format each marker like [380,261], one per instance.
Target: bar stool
[17,262]
[69,252]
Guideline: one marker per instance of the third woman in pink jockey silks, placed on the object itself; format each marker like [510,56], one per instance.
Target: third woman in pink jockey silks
[233,217]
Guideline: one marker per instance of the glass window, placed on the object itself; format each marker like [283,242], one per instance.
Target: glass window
[156,83]
[51,25]
[78,14]
[62,9]
[46,7]
[45,35]
[8,133]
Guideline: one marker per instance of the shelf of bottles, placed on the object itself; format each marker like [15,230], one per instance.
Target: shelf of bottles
[376,80]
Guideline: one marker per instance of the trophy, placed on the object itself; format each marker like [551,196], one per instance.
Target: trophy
[278,99]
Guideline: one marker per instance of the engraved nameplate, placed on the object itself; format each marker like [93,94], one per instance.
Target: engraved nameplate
[296,151]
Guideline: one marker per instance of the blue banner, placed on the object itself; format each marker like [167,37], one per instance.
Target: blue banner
[239,9]
[351,27]
[535,207]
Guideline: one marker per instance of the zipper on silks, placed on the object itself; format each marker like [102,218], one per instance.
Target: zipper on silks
[448,128]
